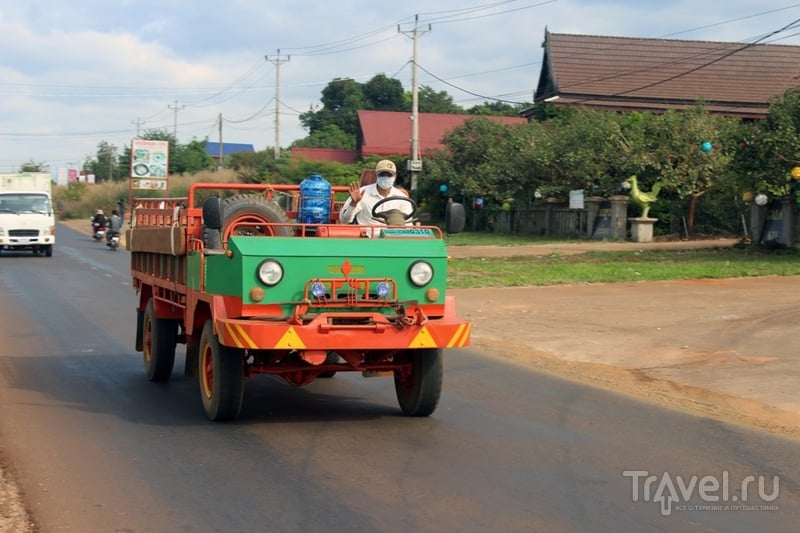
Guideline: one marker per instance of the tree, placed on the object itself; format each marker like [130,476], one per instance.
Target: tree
[430,101]
[328,136]
[383,94]
[497,108]
[767,151]
[190,158]
[487,159]
[341,100]
[674,155]
[105,166]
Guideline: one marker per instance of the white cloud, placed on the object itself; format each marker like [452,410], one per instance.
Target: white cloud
[86,72]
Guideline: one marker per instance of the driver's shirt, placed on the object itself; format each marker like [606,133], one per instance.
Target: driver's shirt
[362,211]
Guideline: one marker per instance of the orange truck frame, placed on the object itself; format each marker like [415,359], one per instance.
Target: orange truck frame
[229,272]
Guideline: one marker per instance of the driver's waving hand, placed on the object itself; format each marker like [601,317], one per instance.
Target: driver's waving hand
[362,200]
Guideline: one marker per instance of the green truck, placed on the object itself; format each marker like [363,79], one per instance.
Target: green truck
[251,285]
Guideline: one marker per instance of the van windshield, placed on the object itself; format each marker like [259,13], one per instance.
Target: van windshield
[24,203]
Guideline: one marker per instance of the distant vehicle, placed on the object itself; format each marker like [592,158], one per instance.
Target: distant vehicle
[27,221]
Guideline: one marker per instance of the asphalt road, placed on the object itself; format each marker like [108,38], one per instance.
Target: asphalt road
[96,447]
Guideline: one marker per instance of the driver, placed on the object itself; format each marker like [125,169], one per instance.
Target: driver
[99,218]
[359,205]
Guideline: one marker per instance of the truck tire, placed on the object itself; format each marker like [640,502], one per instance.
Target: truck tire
[253,209]
[159,337]
[331,358]
[221,377]
[418,393]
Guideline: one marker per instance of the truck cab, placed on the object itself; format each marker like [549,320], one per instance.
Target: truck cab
[27,220]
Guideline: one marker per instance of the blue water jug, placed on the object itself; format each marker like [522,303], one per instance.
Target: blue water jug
[315,200]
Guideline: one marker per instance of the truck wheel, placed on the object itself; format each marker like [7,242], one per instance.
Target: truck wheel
[221,377]
[331,358]
[418,392]
[160,337]
[48,250]
[252,210]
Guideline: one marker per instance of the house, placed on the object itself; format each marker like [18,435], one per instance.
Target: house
[386,133]
[213,149]
[644,74]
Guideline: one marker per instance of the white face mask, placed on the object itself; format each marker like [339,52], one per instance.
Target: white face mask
[385,182]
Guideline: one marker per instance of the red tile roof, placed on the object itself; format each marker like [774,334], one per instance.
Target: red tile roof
[623,73]
[389,132]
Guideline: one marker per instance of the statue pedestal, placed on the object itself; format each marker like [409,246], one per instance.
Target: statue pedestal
[642,229]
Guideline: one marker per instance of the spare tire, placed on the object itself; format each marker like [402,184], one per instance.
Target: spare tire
[251,214]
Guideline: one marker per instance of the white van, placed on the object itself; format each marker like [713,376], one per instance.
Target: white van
[27,221]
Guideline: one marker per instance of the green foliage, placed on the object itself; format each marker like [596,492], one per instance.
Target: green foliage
[341,100]
[768,150]
[72,192]
[328,136]
[497,108]
[431,101]
[105,166]
[383,94]
[190,158]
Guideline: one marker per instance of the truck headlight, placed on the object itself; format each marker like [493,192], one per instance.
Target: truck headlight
[270,272]
[420,273]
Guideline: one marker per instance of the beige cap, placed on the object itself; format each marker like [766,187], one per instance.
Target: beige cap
[384,165]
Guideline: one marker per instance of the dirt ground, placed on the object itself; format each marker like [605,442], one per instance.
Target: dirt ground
[723,349]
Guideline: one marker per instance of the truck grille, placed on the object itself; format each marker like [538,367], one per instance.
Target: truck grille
[23,233]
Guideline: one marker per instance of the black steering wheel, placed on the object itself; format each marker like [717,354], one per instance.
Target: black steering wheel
[394,217]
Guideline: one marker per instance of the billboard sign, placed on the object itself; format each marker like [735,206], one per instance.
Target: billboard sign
[149,164]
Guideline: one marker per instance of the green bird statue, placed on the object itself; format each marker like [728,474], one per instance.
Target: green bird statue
[641,198]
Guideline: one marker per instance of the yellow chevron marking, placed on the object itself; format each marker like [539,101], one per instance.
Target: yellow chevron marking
[232,335]
[423,340]
[457,339]
[454,339]
[290,339]
[248,341]
[238,336]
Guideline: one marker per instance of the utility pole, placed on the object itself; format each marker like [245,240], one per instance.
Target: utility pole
[415,163]
[219,161]
[175,121]
[277,60]
[138,122]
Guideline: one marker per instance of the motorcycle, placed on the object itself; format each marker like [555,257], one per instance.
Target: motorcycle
[113,240]
[98,231]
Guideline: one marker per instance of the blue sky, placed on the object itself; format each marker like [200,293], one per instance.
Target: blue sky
[75,73]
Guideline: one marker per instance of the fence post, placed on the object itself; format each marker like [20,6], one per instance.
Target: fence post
[619,217]
[592,210]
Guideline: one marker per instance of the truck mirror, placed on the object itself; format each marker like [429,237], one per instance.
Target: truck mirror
[455,218]
[213,213]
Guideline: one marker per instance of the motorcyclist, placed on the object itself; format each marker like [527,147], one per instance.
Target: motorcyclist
[99,220]
[114,226]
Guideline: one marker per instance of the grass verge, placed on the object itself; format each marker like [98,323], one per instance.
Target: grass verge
[614,267]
